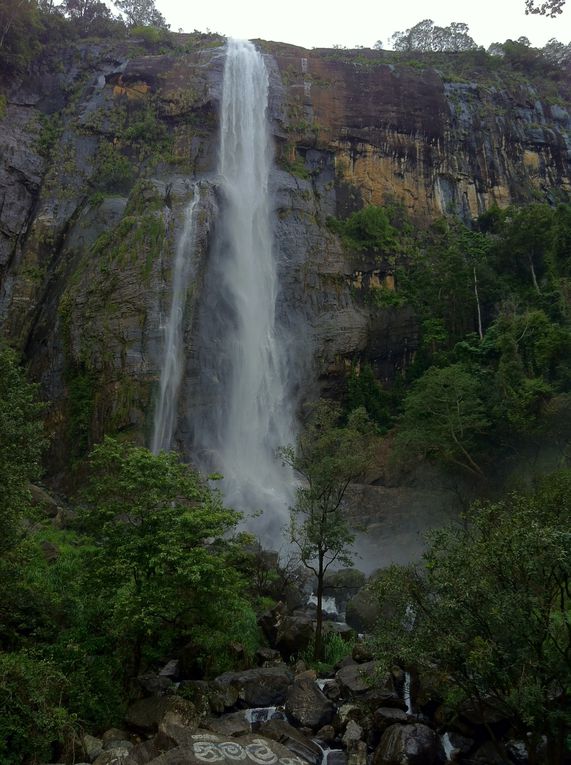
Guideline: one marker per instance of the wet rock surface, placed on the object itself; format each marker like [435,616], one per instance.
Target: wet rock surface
[262,687]
[407,745]
[307,706]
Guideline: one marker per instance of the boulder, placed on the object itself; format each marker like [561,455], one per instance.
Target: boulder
[268,657]
[41,499]
[154,685]
[361,653]
[353,733]
[233,724]
[357,713]
[261,687]
[115,756]
[332,690]
[113,734]
[294,635]
[293,739]
[206,697]
[363,611]
[147,715]
[92,747]
[517,751]
[356,679]
[357,753]
[145,752]
[306,705]
[407,745]
[326,734]
[179,721]
[210,748]
[386,716]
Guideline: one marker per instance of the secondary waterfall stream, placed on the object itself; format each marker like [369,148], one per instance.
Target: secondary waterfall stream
[173,355]
[246,412]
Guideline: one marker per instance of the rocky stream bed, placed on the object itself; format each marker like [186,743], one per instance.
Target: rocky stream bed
[281,713]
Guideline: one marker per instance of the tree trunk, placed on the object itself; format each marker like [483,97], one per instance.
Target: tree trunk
[318,648]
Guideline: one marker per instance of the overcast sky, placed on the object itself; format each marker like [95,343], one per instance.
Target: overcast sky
[324,23]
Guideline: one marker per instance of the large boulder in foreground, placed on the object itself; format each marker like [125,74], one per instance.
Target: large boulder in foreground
[261,687]
[407,745]
[307,706]
[209,748]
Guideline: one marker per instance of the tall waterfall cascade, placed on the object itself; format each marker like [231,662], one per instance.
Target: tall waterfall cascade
[173,355]
[243,365]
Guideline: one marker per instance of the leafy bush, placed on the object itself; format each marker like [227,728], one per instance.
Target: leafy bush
[367,230]
[32,720]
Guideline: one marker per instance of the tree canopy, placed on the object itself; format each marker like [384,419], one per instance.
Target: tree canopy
[427,36]
[550,8]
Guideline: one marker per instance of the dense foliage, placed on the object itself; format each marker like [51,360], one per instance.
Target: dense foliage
[492,614]
[492,303]
[139,571]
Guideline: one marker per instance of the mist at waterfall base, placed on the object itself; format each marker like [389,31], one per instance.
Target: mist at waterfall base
[246,405]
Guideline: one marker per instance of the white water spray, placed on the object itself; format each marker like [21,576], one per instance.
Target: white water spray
[173,359]
[243,362]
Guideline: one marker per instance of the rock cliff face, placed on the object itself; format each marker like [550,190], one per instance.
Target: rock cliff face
[98,150]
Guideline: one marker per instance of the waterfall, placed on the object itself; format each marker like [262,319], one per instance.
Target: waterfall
[246,412]
[407,694]
[173,358]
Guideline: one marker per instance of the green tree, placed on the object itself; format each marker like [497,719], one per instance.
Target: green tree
[492,613]
[328,457]
[19,27]
[546,8]
[159,556]
[369,229]
[32,719]
[91,17]
[444,417]
[142,13]
[525,241]
[426,36]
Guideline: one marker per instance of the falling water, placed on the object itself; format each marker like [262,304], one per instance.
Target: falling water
[243,364]
[173,359]
[407,694]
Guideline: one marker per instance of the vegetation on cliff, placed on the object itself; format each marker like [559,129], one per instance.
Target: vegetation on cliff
[492,302]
